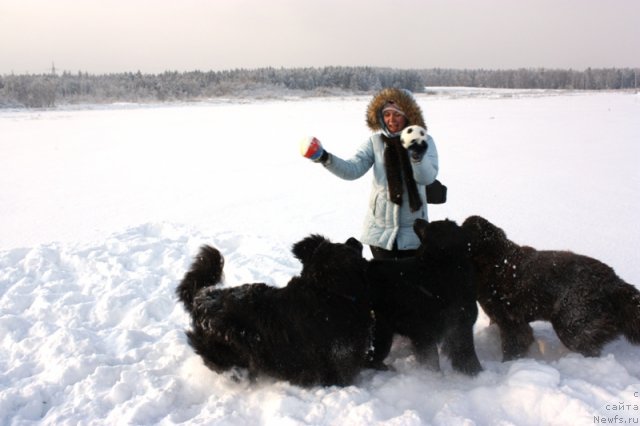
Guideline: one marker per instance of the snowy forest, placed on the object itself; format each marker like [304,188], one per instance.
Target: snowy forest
[53,88]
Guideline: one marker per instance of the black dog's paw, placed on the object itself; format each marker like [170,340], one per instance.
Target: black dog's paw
[378,366]
[470,367]
[240,375]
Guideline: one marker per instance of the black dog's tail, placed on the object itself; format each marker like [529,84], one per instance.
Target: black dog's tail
[206,270]
[627,298]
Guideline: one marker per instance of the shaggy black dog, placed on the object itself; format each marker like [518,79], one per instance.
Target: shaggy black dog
[316,330]
[430,299]
[585,301]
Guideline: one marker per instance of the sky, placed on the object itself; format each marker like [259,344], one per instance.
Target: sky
[152,36]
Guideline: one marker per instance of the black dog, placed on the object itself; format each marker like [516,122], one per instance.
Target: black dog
[430,299]
[316,330]
[585,301]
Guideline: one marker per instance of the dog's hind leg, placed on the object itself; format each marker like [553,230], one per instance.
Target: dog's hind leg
[585,319]
[627,300]
[588,343]
[585,331]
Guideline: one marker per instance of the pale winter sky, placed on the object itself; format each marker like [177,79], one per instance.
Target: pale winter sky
[102,36]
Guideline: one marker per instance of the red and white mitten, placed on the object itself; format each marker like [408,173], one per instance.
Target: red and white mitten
[311,148]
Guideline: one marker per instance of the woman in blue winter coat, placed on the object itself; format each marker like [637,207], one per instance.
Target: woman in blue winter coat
[399,174]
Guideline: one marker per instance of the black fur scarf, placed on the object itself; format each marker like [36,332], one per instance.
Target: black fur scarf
[397,165]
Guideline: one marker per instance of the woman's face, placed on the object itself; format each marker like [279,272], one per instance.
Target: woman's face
[394,121]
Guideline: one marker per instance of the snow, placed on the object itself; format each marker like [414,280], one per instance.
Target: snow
[102,210]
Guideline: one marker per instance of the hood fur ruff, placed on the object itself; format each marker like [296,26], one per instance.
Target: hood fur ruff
[405,101]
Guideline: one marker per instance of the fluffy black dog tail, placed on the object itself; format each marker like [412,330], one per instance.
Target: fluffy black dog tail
[206,270]
[627,298]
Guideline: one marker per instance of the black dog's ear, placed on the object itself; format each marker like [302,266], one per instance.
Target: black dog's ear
[303,250]
[420,228]
[353,243]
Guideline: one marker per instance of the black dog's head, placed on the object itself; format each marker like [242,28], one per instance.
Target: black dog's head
[328,264]
[443,235]
[485,237]
[305,249]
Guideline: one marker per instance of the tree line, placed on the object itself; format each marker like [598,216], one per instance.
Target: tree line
[51,89]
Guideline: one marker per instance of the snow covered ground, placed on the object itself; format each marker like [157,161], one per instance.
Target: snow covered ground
[102,210]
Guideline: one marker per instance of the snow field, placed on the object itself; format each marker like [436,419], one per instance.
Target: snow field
[103,210]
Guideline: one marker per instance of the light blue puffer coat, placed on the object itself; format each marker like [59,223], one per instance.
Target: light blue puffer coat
[386,222]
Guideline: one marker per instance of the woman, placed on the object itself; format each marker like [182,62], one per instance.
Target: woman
[399,175]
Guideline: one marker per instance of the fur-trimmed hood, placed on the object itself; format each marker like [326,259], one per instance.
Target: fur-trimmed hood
[405,101]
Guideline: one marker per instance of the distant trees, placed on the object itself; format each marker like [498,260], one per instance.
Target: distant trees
[47,90]
[526,78]
[38,92]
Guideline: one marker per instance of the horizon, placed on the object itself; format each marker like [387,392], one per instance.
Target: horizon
[54,70]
